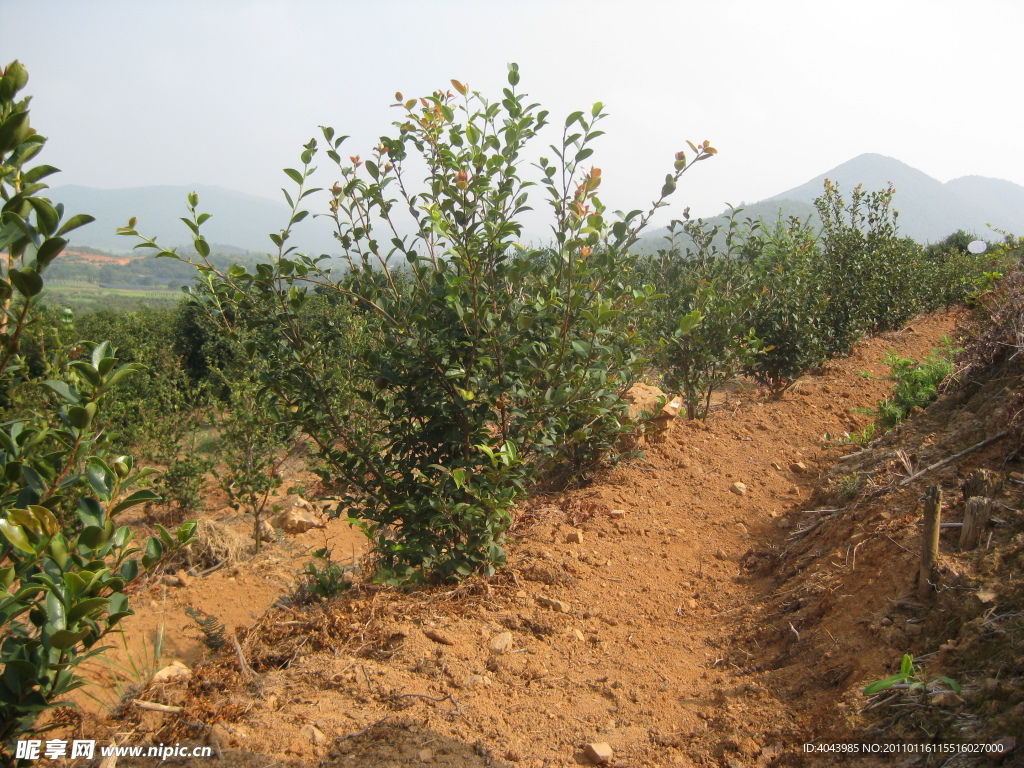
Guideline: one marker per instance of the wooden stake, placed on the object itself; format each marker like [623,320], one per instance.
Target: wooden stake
[928,576]
[977,512]
[982,482]
[152,706]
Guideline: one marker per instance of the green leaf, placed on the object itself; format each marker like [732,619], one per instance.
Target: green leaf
[139,497]
[294,175]
[47,521]
[76,221]
[16,535]
[79,416]
[64,390]
[186,531]
[100,477]
[881,685]
[46,215]
[907,665]
[90,512]
[26,281]
[63,639]
[87,607]
[49,250]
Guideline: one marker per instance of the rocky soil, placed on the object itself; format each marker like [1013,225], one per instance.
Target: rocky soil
[720,603]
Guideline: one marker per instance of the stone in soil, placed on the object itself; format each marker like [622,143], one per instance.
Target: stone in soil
[599,752]
[500,643]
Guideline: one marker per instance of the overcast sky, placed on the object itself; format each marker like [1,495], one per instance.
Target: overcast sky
[225,92]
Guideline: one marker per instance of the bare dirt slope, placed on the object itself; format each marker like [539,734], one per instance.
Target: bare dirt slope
[683,609]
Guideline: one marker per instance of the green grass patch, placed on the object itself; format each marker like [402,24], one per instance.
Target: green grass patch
[916,383]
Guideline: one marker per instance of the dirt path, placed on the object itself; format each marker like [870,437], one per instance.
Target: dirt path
[635,612]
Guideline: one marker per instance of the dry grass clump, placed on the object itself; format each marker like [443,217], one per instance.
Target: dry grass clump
[215,545]
[994,334]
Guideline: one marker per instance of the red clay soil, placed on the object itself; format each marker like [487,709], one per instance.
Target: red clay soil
[682,609]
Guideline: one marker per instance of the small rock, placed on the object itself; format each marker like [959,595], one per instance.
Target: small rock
[478,681]
[313,735]
[738,488]
[1018,476]
[914,630]
[425,755]
[886,621]
[554,605]
[298,519]
[174,671]
[617,514]
[798,468]
[720,554]
[793,490]
[671,409]
[691,604]
[599,752]
[985,595]
[574,537]
[579,635]
[171,581]
[438,637]
[501,643]
[513,756]
[776,465]
[183,577]
[784,523]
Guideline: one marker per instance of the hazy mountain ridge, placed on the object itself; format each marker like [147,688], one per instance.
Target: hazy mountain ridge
[238,221]
[929,209]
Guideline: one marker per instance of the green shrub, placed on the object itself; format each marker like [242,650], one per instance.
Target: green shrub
[64,566]
[790,303]
[492,362]
[877,280]
[916,383]
[701,316]
[254,441]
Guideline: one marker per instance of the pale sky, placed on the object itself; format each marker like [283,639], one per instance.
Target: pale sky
[225,92]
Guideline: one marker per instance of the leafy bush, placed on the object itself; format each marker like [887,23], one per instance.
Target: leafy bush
[874,276]
[701,316]
[492,364]
[328,580]
[64,566]
[790,303]
[254,437]
[917,383]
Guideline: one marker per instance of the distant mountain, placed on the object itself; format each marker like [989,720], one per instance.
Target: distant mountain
[928,209]
[239,221]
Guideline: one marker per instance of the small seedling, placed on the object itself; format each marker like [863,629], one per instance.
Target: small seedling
[909,678]
[325,582]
